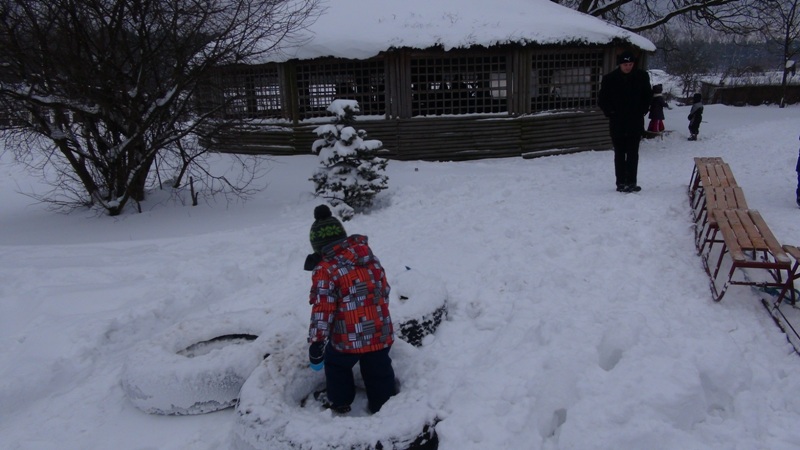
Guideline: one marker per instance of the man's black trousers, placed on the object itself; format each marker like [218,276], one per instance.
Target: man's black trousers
[626,158]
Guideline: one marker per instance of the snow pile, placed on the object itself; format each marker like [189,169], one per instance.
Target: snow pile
[578,317]
[276,412]
[197,366]
[418,304]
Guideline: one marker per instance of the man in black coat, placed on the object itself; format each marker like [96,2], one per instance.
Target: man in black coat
[625,96]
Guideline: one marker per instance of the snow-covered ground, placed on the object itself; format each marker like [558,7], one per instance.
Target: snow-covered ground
[580,318]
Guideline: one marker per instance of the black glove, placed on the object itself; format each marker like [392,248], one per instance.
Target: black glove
[316,355]
[311,261]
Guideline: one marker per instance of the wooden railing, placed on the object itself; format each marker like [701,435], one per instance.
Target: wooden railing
[440,138]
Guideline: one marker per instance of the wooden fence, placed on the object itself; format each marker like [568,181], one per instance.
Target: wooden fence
[750,95]
[440,138]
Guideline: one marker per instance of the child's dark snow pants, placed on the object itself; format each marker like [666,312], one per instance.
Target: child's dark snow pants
[694,125]
[376,370]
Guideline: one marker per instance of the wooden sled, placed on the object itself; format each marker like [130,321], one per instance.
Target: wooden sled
[656,134]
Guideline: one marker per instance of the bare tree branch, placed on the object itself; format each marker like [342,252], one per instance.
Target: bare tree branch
[643,15]
[781,28]
[110,83]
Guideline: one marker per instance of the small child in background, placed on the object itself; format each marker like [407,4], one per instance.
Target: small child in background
[695,117]
[657,106]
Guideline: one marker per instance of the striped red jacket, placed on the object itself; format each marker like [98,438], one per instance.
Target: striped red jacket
[350,299]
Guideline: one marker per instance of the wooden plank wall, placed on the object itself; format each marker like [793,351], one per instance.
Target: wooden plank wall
[443,138]
[750,95]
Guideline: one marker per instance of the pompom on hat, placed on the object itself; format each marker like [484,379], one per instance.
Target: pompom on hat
[326,229]
[626,57]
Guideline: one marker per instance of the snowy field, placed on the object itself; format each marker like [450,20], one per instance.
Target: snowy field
[579,317]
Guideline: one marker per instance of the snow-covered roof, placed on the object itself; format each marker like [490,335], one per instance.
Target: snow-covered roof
[360,29]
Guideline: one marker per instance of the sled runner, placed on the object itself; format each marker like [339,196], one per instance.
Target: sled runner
[784,308]
[656,134]
[786,317]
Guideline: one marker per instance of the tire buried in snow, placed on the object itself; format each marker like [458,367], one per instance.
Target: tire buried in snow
[418,303]
[277,410]
[197,366]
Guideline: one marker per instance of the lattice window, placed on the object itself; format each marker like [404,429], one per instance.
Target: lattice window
[267,92]
[458,85]
[563,80]
[252,92]
[318,84]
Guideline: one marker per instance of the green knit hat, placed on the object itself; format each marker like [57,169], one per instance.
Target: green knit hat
[326,229]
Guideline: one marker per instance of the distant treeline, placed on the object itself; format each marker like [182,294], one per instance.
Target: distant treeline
[720,57]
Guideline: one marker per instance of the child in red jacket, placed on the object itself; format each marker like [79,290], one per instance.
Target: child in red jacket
[350,320]
[657,105]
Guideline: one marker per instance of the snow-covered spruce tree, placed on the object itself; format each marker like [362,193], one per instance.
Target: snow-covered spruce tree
[350,176]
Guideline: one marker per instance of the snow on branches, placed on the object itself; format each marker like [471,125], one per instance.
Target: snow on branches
[350,175]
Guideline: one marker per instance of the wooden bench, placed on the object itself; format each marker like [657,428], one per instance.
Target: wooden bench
[707,173]
[750,244]
[722,198]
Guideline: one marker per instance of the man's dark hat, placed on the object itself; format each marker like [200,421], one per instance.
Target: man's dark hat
[626,57]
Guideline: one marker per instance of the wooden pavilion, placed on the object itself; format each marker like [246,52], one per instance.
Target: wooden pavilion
[514,95]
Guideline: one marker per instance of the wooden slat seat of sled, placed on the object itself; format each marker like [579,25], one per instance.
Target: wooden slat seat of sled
[714,175]
[722,198]
[708,172]
[699,161]
[750,244]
